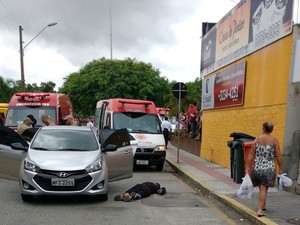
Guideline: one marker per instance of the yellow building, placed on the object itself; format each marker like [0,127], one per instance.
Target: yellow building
[246,82]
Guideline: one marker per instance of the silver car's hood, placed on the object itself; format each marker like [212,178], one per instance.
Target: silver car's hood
[63,160]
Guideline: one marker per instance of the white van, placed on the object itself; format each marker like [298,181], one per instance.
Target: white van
[141,120]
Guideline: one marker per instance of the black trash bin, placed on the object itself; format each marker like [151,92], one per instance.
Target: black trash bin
[237,155]
[237,136]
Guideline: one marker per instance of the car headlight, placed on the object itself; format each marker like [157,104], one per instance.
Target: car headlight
[95,166]
[160,148]
[29,165]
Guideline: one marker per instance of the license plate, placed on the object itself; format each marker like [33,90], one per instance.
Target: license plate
[142,162]
[62,182]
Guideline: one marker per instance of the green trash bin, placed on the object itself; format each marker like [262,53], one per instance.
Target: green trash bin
[238,161]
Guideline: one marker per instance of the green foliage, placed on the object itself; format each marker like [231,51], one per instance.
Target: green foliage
[194,90]
[47,86]
[44,87]
[7,88]
[105,78]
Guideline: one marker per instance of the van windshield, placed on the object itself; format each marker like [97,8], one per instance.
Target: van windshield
[137,122]
[16,115]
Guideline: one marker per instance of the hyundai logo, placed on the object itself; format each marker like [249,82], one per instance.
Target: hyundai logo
[63,174]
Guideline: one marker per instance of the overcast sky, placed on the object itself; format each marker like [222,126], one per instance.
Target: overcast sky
[165,33]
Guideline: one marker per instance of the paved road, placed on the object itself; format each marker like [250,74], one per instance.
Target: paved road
[181,205]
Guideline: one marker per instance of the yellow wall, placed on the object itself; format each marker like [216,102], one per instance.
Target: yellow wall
[265,98]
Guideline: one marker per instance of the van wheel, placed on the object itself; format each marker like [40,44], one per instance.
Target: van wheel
[160,166]
[27,198]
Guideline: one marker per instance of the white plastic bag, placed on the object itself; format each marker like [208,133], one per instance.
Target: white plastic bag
[246,188]
[283,181]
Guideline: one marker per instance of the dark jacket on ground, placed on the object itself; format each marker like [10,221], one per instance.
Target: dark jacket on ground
[145,189]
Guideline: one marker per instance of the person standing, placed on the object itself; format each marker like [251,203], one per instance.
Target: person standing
[32,119]
[46,119]
[166,127]
[69,120]
[27,123]
[90,123]
[191,113]
[265,151]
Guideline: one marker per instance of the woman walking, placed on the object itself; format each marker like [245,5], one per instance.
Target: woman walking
[265,151]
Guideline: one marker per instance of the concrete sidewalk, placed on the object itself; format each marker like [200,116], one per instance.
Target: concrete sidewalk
[214,180]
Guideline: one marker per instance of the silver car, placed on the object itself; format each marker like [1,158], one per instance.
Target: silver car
[68,160]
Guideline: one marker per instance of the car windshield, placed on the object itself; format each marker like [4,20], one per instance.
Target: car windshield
[137,122]
[16,115]
[65,140]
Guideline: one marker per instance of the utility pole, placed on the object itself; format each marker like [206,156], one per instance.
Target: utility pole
[21,60]
[22,52]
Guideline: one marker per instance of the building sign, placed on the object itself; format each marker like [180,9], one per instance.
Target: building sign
[250,26]
[225,88]
[208,99]
[232,32]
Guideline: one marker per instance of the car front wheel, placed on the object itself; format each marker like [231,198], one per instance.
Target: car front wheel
[103,197]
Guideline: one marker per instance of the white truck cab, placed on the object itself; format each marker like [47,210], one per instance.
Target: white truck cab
[141,120]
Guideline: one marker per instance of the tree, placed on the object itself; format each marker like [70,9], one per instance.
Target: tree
[47,86]
[8,87]
[194,90]
[32,87]
[105,78]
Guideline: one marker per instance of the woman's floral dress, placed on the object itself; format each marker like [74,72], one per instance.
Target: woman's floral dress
[264,168]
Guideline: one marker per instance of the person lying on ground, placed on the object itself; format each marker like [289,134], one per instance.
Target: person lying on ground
[140,191]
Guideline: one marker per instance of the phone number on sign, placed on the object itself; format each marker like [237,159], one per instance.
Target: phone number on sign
[231,93]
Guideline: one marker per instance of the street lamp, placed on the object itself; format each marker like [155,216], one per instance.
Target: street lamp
[22,51]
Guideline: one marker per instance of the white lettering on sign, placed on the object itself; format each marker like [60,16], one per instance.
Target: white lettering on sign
[229,93]
[135,110]
[32,104]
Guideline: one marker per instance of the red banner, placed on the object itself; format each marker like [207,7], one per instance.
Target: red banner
[229,86]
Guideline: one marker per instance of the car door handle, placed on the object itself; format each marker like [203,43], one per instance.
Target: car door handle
[127,152]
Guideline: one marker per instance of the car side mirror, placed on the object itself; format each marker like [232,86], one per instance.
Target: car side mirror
[19,146]
[110,148]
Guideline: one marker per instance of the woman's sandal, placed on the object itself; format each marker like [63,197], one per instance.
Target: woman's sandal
[260,215]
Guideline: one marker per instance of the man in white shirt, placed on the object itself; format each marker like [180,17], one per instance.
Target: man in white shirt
[166,127]
[90,123]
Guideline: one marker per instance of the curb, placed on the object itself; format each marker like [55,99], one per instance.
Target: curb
[208,191]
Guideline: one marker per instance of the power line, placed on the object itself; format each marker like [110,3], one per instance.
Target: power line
[14,18]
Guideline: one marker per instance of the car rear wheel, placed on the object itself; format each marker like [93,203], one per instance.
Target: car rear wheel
[27,198]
